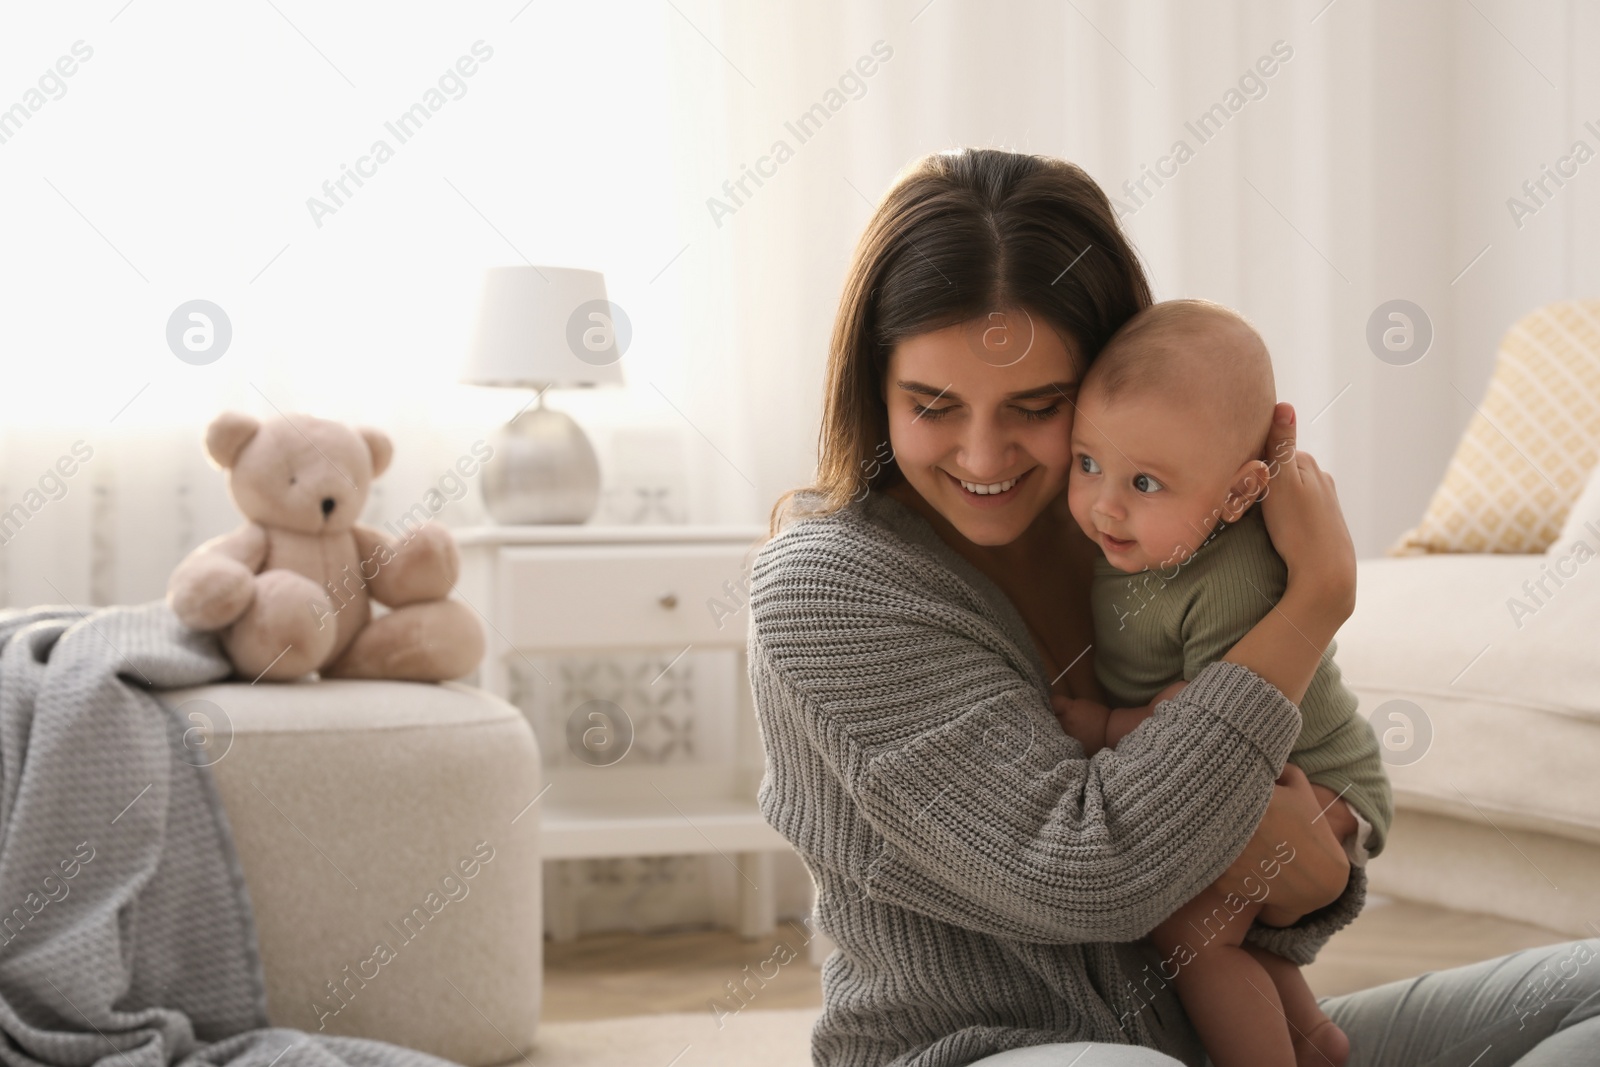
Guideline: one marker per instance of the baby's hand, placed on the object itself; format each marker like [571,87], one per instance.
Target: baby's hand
[1121,722]
[1083,720]
[1168,693]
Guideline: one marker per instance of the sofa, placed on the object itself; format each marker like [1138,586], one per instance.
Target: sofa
[368,812]
[1490,724]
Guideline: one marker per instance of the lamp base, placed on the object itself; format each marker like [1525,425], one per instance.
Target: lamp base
[544,471]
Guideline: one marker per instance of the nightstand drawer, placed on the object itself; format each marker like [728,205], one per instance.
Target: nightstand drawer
[582,596]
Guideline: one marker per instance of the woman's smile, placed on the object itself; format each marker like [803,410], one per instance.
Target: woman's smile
[989,494]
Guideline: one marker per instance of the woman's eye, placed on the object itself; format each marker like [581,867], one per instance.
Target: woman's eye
[932,413]
[1040,413]
[1146,484]
[1088,465]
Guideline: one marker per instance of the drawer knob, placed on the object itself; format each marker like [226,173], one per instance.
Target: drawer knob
[668,600]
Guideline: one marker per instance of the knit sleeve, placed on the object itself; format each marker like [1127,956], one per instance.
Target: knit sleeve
[987,815]
[992,821]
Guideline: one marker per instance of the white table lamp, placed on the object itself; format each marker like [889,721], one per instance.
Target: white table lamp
[543,328]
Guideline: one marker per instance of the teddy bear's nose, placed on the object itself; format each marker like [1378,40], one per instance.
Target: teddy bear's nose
[327,506]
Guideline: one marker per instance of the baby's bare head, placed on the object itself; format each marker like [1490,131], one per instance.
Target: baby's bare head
[1199,358]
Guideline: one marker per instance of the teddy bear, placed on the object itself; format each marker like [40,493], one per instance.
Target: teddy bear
[290,591]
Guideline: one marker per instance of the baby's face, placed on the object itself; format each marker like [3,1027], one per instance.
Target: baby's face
[1150,479]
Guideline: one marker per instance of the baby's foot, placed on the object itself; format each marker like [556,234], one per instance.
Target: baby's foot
[1324,1046]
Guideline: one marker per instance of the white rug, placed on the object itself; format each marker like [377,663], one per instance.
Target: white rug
[690,1039]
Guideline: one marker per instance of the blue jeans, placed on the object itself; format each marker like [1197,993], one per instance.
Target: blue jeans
[1536,1008]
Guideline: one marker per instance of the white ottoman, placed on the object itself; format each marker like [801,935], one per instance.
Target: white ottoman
[391,856]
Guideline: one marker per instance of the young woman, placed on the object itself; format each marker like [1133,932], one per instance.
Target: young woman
[989,888]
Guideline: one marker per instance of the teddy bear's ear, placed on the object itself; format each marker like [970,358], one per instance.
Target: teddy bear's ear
[227,435]
[379,445]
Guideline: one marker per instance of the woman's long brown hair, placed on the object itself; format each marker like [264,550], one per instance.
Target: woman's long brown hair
[959,234]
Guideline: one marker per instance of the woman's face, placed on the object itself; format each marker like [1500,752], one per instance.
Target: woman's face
[980,420]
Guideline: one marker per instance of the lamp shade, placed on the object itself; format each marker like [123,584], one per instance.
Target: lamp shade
[545,326]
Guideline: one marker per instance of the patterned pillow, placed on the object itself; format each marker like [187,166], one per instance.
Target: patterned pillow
[1529,448]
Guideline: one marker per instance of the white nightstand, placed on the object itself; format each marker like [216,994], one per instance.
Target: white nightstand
[594,589]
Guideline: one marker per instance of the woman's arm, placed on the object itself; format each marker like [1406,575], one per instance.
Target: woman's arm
[1302,513]
[995,822]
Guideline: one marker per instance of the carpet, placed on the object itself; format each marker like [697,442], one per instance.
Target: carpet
[686,1039]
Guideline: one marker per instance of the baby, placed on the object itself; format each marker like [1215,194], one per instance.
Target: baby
[1167,441]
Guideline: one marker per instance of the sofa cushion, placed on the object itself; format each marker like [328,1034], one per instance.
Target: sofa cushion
[377,813]
[1505,675]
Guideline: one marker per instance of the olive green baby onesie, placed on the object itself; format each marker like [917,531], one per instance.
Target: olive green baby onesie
[1158,626]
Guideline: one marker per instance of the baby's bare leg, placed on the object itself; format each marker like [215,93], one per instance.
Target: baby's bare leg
[1318,1042]
[1229,997]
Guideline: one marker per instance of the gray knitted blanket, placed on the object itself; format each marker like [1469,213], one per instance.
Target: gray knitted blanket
[126,935]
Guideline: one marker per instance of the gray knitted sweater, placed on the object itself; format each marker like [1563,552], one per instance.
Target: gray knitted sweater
[986,885]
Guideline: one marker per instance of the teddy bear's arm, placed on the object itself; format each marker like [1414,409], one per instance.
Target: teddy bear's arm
[247,544]
[214,584]
[423,566]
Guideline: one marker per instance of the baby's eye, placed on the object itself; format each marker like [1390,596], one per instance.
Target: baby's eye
[1146,484]
[1087,464]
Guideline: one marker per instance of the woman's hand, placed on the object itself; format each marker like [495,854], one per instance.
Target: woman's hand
[1293,854]
[1337,810]
[1301,509]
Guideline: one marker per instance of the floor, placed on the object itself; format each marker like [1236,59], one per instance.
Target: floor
[607,975]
